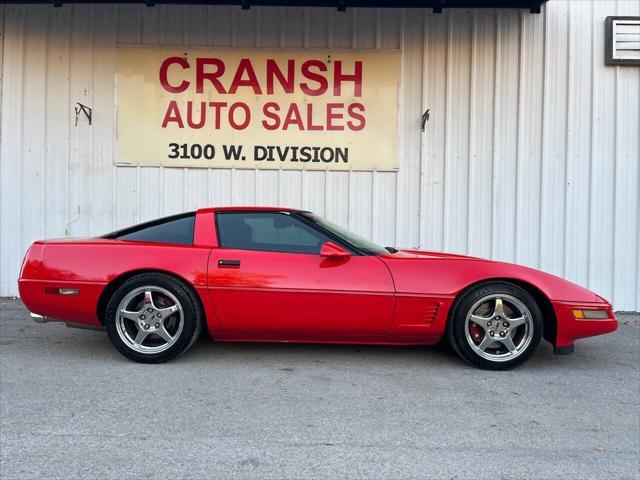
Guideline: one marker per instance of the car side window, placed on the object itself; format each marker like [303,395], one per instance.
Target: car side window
[267,231]
[177,229]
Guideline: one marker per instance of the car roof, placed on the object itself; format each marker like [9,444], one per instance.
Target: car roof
[244,209]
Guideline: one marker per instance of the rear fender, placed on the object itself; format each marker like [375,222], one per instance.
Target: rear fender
[91,265]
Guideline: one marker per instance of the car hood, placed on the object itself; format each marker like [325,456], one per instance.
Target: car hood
[447,274]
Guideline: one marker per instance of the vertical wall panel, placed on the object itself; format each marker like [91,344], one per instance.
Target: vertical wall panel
[57,131]
[33,126]
[245,27]
[337,197]
[313,191]
[1,50]
[388,28]
[410,97]
[531,152]
[11,162]
[627,212]
[196,25]
[578,143]
[460,90]
[554,133]
[293,27]
[129,30]
[361,192]
[341,28]
[267,191]
[2,166]
[174,30]
[81,172]
[435,92]
[103,129]
[626,244]
[529,140]
[220,27]
[317,27]
[383,206]
[128,23]
[290,188]
[365,28]
[506,131]
[1,58]
[149,197]
[219,191]
[602,212]
[271,32]
[481,115]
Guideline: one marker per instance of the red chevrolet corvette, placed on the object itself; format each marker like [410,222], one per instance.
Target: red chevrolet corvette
[283,275]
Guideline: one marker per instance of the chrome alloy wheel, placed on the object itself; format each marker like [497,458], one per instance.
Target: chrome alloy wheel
[499,327]
[149,319]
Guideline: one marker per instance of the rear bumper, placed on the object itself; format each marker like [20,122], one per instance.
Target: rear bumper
[569,328]
[40,319]
[40,297]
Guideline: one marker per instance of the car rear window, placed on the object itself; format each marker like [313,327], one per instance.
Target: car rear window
[177,229]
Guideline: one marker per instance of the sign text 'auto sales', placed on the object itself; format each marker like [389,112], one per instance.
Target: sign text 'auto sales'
[257,108]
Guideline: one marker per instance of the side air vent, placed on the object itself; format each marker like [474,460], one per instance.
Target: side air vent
[430,312]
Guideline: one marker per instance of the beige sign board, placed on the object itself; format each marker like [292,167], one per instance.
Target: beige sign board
[257,108]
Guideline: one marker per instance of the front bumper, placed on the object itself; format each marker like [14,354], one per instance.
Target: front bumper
[569,328]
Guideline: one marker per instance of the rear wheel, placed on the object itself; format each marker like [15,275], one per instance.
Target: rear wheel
[152,318]
[495,326]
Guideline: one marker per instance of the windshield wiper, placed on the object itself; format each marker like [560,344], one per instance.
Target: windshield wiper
[391,249]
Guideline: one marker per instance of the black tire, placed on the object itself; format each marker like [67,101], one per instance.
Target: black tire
[530,331]
[190,317]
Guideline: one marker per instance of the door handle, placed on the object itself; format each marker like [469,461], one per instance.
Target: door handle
[228,263]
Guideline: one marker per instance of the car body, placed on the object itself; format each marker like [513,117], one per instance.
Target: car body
[340,294]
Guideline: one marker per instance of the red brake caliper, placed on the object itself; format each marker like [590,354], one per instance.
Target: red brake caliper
[477,333]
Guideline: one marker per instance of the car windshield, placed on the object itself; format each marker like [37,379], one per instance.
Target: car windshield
[356,240]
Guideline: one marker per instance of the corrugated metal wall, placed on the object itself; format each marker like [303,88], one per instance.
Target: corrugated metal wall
[531,154]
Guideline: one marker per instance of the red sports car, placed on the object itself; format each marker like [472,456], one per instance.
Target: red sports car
[283,275]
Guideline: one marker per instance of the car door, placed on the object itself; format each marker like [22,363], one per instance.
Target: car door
[268,279]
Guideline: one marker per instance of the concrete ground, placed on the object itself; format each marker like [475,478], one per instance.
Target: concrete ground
[72,407]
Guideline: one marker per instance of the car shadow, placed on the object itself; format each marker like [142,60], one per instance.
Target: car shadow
[87,345]
[440,355]
[91,345]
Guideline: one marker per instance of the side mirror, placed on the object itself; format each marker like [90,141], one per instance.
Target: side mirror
[331,250]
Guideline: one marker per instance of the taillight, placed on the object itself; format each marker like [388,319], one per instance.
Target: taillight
[33,262]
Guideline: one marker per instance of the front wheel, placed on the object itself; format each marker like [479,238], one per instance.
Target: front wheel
[152,318]
[495,326]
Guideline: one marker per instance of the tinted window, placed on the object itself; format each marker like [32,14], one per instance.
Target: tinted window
[269,231]
[356,240]
[177,229]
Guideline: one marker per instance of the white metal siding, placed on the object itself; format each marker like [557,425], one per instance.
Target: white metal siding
[531,154]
